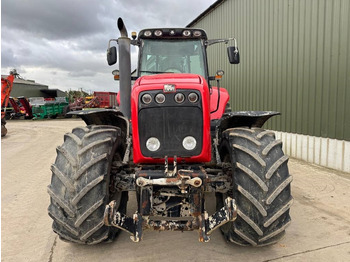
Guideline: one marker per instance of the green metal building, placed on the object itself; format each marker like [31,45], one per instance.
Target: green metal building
[29,88]
[295,59]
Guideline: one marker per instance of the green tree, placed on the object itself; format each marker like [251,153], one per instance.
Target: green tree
[73,94]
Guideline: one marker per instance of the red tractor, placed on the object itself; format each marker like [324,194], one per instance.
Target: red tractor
[172,141]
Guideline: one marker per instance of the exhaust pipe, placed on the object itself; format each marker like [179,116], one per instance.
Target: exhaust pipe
[124,69]
[122,28]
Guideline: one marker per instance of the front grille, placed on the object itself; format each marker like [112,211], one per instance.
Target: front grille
[171,123]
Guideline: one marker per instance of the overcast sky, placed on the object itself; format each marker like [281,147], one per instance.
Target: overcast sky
[62,43]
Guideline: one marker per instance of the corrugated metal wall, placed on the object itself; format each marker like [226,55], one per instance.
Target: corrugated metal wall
[295,59]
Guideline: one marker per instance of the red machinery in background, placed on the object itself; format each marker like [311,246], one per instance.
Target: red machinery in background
[106,99]
[97,100]
[6,87]
[21,107]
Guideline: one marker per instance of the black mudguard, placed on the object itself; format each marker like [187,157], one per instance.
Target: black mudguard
[245,118]
[229,120]
[111,117]
[242,118]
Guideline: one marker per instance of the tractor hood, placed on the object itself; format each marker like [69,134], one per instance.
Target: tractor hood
[169,79]
[170,122]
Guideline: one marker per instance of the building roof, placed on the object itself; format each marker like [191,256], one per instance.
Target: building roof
[208,10]
[25,82]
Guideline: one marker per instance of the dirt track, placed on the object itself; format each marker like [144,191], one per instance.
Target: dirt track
[320,230]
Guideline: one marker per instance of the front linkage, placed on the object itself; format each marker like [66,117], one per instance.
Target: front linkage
[172,200]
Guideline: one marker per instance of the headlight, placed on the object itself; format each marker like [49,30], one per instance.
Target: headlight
[146,99]
[179,98]
[189,143]
[160,98]
[147,33]
[193,97]
[158,33]
[152,144]
[197,33]
[186,33]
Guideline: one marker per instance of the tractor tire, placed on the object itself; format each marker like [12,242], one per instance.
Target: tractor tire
[3,127]
[261,187]
[80,184]
[228,108]
[3,130]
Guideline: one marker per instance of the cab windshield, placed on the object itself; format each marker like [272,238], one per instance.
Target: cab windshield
[168,56]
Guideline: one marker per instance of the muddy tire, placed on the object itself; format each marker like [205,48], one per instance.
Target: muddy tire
[228,108]
[3,128]
[79,189]
[261,187]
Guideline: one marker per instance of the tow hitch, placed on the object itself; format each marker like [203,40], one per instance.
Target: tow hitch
[203,222]
[172,200]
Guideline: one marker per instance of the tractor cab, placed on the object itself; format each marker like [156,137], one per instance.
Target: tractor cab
[179,51]
[172,51]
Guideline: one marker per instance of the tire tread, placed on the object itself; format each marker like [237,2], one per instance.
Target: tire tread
[263,198]
[79,188]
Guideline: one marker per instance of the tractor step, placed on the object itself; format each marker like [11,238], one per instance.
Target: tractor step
[204,223]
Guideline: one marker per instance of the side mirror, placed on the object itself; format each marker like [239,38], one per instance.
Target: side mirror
[112,55]
[233,54]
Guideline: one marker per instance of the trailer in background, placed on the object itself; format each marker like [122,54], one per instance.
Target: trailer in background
[107,99]
[44,108]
